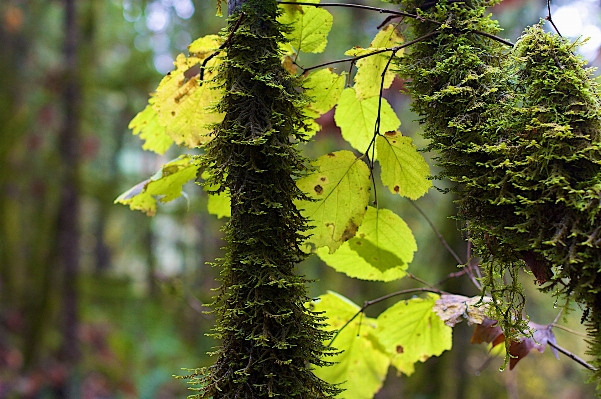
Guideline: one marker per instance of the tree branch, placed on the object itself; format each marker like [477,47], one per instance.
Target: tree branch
[572,356]
[357,58]
[398,14]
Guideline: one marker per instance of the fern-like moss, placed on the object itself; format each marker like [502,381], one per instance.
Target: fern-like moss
[551,171]
[519,135]
[458,89]
[270,339]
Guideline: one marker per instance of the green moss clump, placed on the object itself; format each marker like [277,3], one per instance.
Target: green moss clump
[519,133]
[459,89]
[548,170]
[270,339]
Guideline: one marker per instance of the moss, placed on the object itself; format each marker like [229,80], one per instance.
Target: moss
[519,134]
[458,87]
[270,339]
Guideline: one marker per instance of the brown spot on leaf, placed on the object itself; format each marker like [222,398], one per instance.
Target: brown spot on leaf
[396,189]
[349,232]
[331,154]
[318,189]
[390,133]
[323,178]
[399,349]
[172,113]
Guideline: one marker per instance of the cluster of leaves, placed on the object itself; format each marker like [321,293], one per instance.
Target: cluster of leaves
[518,132]
[527,181]
[354,238]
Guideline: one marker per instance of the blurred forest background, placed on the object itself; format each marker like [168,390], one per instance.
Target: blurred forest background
[97,301]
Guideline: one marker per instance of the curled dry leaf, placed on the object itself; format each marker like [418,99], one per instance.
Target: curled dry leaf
[490,332]
[452,308]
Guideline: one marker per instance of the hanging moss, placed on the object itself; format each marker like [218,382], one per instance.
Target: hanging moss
[458,87]
[270,340]
[548,171]
[519,135]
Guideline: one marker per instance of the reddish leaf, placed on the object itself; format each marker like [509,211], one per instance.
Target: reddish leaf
[541,336]
[488,332]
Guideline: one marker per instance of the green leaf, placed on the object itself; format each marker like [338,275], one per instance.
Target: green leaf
[369,69]
[309,27]
[324,87]
[357,119]
[361,368]
[166,185]
[381,250]
[146,124]
[340,192]
[219,205]
[184,105]
[412,332]
[404,170]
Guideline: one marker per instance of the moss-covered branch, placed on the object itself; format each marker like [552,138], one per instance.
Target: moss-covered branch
[270,340]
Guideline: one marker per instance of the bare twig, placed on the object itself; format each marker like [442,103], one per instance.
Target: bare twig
[548,17]
[224,45]
[555,325]
[438,234]
[367,304]
[572,356]
[385,50]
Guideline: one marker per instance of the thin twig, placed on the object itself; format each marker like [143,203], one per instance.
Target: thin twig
[224,45]
[372,143]
[557,317]
[367,304]
[396,13]
[357,58]
[572,356]
[438,234]
[555,325]
[419,280]
[548,18]
[348,5]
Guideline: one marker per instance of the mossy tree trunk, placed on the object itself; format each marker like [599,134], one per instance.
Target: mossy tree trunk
[270,340]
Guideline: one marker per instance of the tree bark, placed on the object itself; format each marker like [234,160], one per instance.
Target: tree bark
[68,218]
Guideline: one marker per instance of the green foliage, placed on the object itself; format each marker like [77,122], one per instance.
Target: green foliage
[357,118]
[309,27]
[337,198]
[361,368]
[146,124]
[404,170]
[166,185]
[410,331]
[516,132]
[183,104]
[407,332]
[368,78]
[324,88]
[381,250]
